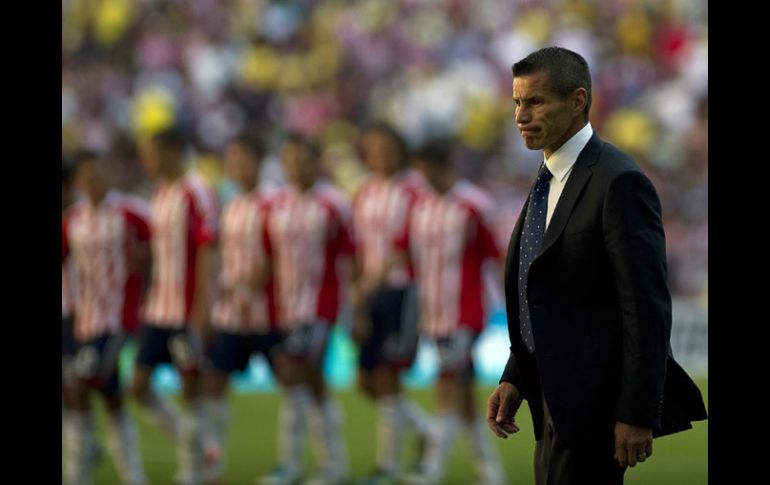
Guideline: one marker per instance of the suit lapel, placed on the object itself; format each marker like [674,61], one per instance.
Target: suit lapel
[569,196]
[514,242]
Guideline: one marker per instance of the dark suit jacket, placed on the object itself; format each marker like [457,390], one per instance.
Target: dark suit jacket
[600,309]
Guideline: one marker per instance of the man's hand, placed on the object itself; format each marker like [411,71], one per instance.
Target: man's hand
[632,444]
[501,409]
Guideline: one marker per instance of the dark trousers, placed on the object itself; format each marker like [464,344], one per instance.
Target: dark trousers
[584,464]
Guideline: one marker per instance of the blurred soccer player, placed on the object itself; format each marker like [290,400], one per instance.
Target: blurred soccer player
[243,313]
[308,239]
[68,287]
[449,238]
[385,298]
[101,236]
[176,313]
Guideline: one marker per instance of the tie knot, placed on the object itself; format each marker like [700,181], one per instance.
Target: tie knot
[544,175]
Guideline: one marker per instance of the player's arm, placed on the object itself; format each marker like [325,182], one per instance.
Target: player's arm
[635,242]
[205,214]
[204,264]
[139,251]
[361,324]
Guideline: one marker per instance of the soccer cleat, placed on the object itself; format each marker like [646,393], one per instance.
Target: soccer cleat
[280,475]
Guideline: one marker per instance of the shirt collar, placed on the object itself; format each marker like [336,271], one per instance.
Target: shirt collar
[561,161]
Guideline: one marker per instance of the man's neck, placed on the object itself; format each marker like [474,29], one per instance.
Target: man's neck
[173,175]
[97,198]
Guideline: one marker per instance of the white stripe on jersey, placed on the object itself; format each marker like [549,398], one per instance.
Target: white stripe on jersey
[173,207]
[242,253]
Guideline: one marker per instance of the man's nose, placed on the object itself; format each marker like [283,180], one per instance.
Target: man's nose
[523,115]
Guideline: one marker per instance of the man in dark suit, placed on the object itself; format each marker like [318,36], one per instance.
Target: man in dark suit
[589,311]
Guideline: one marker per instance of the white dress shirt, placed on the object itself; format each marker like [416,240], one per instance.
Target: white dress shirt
[560,165]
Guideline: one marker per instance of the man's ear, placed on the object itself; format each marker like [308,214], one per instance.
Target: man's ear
[579,99]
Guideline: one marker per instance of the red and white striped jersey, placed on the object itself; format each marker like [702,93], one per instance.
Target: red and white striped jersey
[184,218]
[99,242]
[238,308]
[448,237]
[380,210]
[305,235]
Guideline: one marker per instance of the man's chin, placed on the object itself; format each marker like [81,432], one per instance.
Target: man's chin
[532,145]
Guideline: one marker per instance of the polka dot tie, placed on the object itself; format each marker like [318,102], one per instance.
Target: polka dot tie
[530,243]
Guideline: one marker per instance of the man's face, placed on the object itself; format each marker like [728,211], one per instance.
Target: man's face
[435,175]
[298,164]
[240,165]
[91,178]
[381,152]
[159,161]
[542,116]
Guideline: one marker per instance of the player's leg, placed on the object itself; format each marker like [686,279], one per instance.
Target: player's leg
[227,353]
[68,388]
[325,415]
[187,356]
[153,350]
[376,384]
[389,427]
[396,311]
[485,456]
[80,448]
[448,422]
[406,351]
[122,434]
[367,361]
[292,422]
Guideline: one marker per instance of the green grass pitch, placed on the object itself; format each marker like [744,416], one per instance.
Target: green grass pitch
[677,459]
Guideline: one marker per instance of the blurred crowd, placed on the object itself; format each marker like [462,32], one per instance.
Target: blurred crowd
[431,67]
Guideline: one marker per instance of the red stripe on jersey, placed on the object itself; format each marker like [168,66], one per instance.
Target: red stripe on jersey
[184,218]
[306,234]
[448,239]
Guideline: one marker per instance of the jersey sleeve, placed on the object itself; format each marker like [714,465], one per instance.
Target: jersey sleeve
[486,243]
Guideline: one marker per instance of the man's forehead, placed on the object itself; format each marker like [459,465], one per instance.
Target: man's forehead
[531,82]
